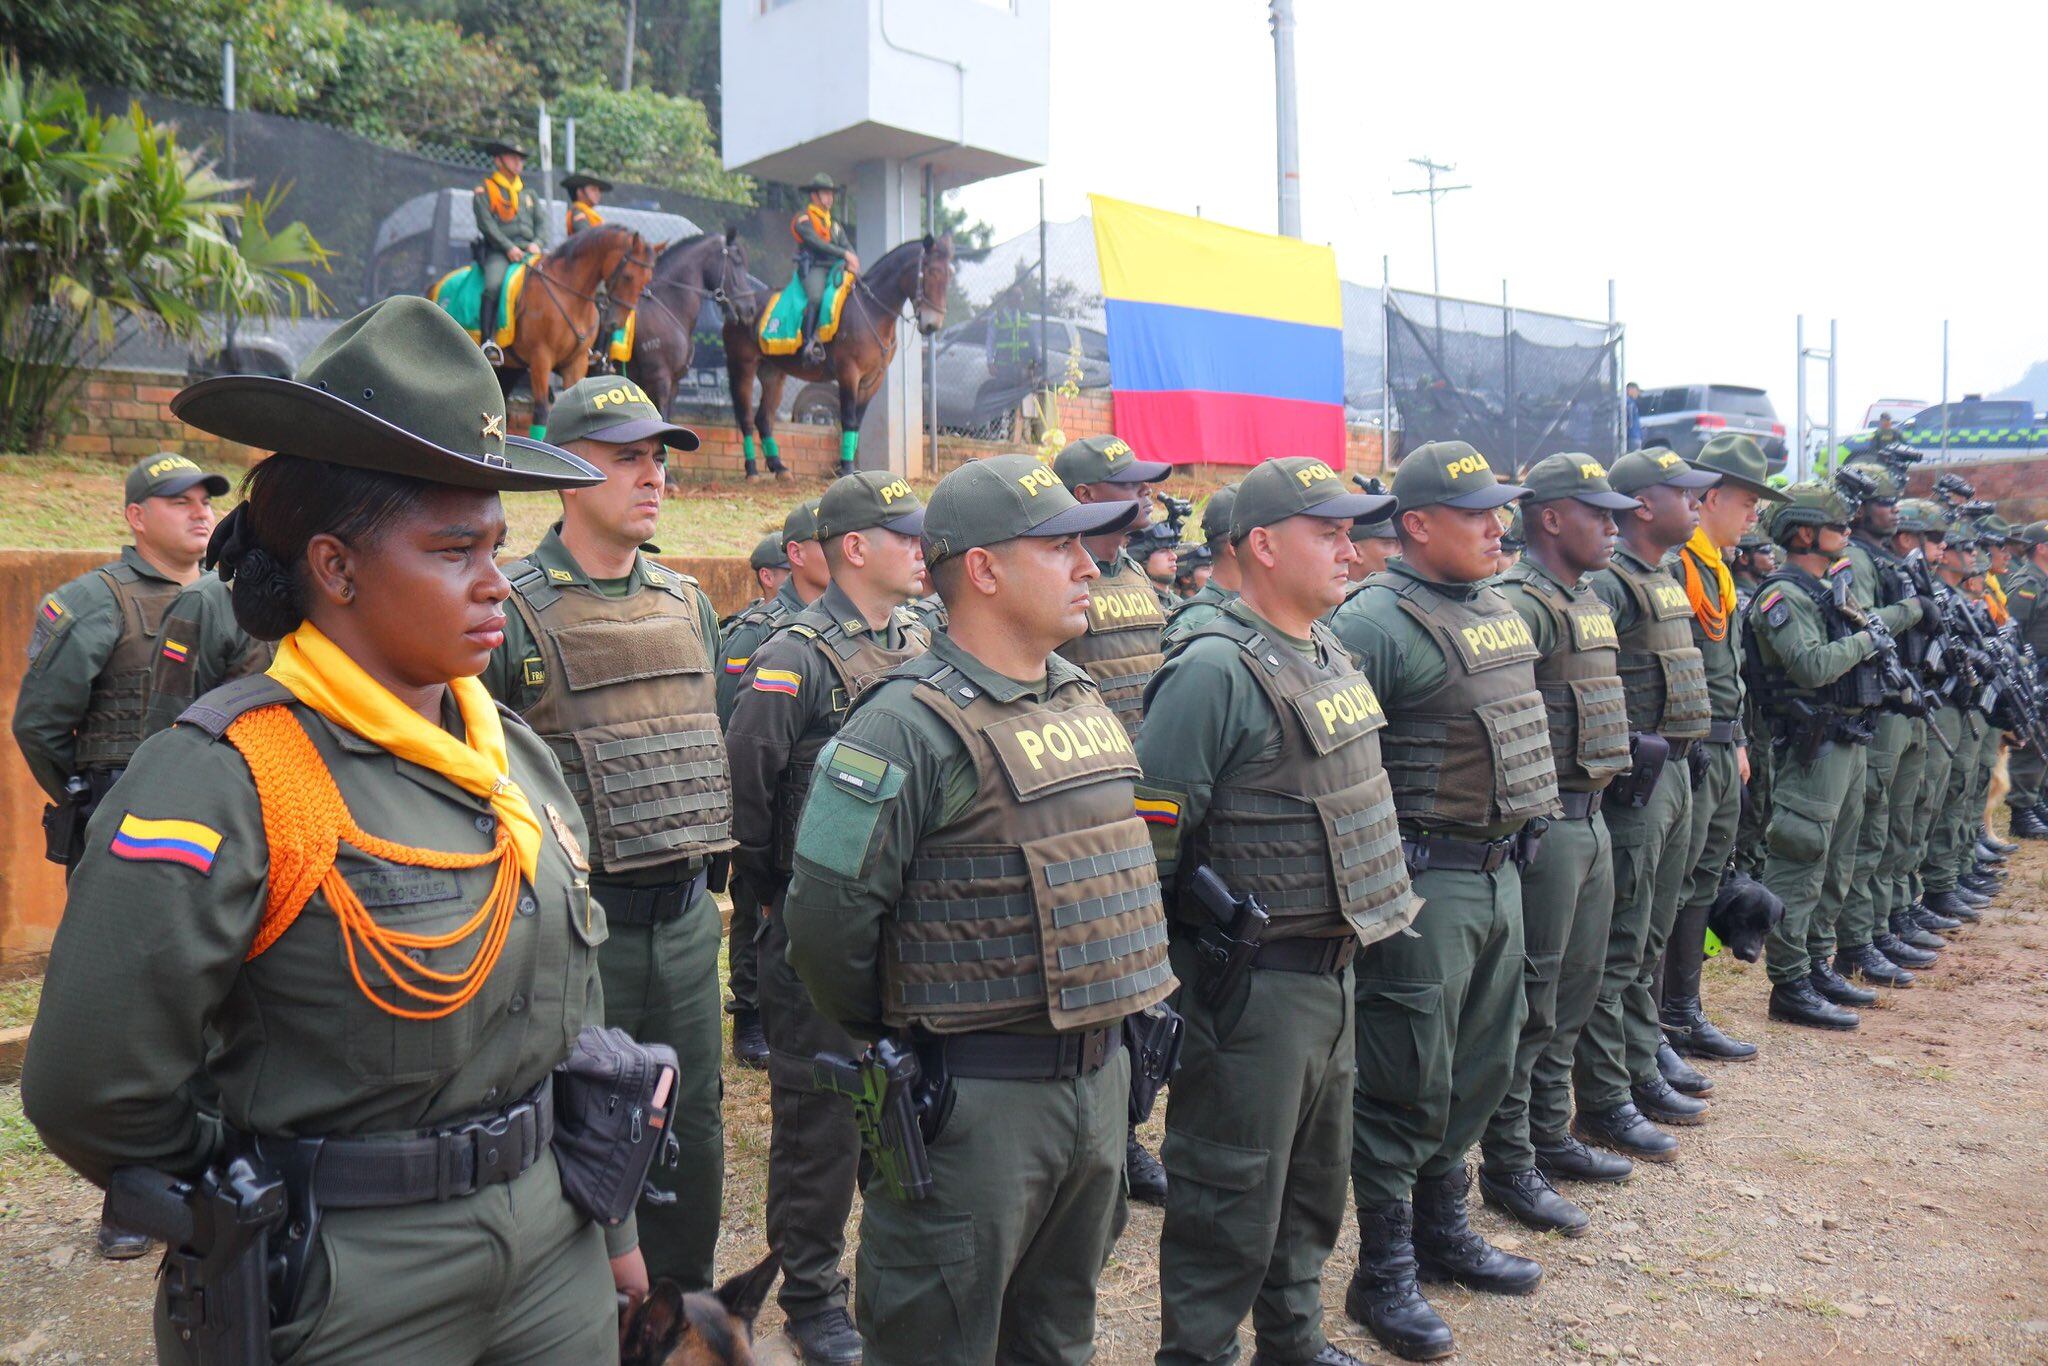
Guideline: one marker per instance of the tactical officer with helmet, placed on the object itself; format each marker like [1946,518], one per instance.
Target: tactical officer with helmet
[979,798]
[610,657]
[1439,1011]
[1817,671]
[1263,740]
[797,691]
[1756,559]
[1210,599]
[1616,1081]
[2026,602]
[1976,756]
[1568,894]
[1953,676]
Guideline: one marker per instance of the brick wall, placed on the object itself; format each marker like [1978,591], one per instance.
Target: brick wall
[2019,487]
[126,415]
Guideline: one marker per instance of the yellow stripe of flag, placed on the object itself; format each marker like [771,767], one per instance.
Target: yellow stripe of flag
[1152,256]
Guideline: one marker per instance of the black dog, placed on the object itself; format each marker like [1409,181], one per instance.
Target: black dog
[670,1328]
[1745,912]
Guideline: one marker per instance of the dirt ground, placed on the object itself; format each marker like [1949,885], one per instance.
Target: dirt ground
[1875,1196]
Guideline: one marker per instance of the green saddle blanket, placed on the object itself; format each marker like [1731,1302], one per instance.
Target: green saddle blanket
[460,293]
[782,322]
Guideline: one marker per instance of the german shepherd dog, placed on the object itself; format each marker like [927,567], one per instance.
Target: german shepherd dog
[670,1328]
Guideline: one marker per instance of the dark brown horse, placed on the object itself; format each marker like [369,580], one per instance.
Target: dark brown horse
[557,318]
[916,273]
[688,271]
[670,1328]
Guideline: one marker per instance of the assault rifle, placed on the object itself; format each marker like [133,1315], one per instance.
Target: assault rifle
[1897,677]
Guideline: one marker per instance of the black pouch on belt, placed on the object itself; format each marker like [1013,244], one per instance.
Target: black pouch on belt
[1647,751]
[614,1099]
[1153,1035]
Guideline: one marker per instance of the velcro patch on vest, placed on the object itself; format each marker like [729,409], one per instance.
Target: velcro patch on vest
[1777,611]
[1123,608]
[857,771]
[1667,599]
[1339,710]
[395,886]
[596,654]
[1495,641]
[1043,750]
[1593,627]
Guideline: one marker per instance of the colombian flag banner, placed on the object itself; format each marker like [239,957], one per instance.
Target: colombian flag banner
[1225,346]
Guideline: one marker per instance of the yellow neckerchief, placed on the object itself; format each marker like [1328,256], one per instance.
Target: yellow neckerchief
[821,222]
[503,194]
[1711,615]
[578,209]
[1994,600]
[320,675]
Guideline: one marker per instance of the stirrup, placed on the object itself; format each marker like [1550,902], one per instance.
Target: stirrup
[494,354]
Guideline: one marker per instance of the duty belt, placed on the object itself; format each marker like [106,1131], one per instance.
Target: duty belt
[1456,855]
[1316,957]
[1680,748]
[1032,1057]
[656,905]
[1581,806]
[443,1164]
[1723,732]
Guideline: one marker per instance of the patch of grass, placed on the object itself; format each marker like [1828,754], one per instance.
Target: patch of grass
[1938,1073]
[22,1153]
[1815,1305]
[18,1001]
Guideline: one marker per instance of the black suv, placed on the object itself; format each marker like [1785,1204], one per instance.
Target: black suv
[1688,416]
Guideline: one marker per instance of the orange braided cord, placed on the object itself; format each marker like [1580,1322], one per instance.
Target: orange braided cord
[306,820]
[1707,609]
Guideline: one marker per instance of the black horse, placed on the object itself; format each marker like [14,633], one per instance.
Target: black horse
[686,273]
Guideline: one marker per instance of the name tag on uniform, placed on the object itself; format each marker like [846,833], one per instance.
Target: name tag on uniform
[394,886]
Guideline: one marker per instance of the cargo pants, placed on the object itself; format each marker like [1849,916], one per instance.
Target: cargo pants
[1929,828]
[1716,808]
[1895,760]
[1815,810]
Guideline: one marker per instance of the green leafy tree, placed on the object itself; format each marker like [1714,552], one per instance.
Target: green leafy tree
[403,78]
[107,223]
[650,137]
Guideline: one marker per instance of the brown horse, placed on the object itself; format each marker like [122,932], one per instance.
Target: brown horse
[688,271]
[670,1328]
[916,272]
[557,317]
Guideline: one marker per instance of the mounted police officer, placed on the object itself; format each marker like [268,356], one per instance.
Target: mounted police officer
[585,193]
[983,789]
[1439,1011]
[798,688]
[821,243]
[610,657]
[509,230]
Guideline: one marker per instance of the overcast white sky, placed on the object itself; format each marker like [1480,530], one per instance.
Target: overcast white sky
[1722,163]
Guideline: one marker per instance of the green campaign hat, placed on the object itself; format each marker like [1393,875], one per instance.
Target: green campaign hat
[1300,486]
[1646,469]
[1740,462]
[989,501]
[769,553]
[821,181]
[869,498]
[576,180]
[1216,514]
[1569,474]
[498,147]
[399,388]
[168,474]
[614,410]
[2032,534]
[801,524]
[1106,460]
[1449,474]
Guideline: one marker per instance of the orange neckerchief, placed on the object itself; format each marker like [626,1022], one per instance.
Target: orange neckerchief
[503,195]
[1712,615]
[590,217]
[821,221]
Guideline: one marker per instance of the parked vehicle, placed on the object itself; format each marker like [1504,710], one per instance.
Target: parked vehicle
[1897,409]
[1978,428]
[1686,417]
[986,364]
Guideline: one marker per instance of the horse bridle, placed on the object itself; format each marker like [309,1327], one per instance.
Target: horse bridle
[860,282]
[631,257]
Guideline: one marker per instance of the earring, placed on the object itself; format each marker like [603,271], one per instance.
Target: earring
[348,592]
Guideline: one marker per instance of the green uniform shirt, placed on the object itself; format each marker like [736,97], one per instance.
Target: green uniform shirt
[1200,606]
[2026,602]
[746,637]
[1792,637]
[766,725]
[1205,716]
[1541,621]
[524,230]
[852,854]
[836,247]
[1723,657]
[289,1040]
[201,626]
[76,629]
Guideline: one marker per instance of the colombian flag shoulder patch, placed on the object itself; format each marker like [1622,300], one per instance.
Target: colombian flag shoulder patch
[1158,810]
[176,651]
[167,841]
[785,681]
[737,664]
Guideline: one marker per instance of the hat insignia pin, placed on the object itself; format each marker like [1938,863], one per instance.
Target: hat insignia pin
[494,425]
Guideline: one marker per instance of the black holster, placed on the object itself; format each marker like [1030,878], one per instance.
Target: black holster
[216,1272]
[1648,752]
[1153,1036]
[1529,842]
[64,822]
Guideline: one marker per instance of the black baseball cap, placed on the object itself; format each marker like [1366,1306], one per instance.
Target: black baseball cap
[1106,460]
[1297,486]
[1003,497]
[1569,474]
[1450,474]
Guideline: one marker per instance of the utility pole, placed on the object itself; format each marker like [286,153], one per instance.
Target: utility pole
[1435,192]
[1285,118]
[632,29]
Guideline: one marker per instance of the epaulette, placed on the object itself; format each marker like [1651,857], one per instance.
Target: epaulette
[217,710]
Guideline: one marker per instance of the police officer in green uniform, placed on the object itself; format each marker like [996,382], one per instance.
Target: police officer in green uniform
[509,230]
[1209,600]
[610,657]
[203,647]
[1964,721]
[1756,559]
[1439,1011]
[821,243]
[770,565]
[802,583]
[1727,510]
[2026,603]
[1817,670]
[799,687]
[1977,756]
[1922,535]
[972,880]
[1568,893]
[371,550]
[1377,543]
[1264,738]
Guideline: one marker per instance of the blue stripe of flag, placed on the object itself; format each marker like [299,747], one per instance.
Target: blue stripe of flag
[1156,347]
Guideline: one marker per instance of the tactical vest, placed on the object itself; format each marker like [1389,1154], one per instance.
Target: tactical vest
[1121,650]
[630,711]
[1475,752]
[1041,901]
[118,708]
[1580,683]
[1854,692]
[1893,583]
[770,611]
[1662,672]
[1312,830]
[857,661]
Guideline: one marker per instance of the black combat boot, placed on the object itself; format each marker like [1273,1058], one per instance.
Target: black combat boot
[1624,1130]
[1529,1199]
[1798,1003]
[749,1041]
[1982,881]
[1987,853]
[1864,962]
[1570,1160]
[826,1337]
[2029,824]
[1969,915]
[1682,1075]
[1928,918]
[1330,1356]
[1692,1035]
[1659,1101]
[1383,1297]
[1909,932]
[1834,987]
[1899,951]
[1147,1178]
[1448,1249]
[1984,836]
[1976,901]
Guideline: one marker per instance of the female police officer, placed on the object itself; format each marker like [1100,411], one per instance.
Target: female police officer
[349,895]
